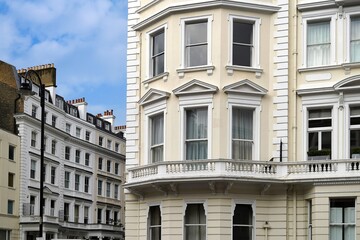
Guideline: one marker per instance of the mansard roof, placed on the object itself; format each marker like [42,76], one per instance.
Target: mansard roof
[195,87]
[245,86]
[152,96]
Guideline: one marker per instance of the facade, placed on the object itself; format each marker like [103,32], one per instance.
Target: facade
[243,120]
[80,202]
[9,154]
[9,185]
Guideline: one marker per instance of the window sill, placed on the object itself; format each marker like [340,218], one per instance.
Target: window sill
[318,68]
[231,68]
[349,66]
[209,69]
[163,76]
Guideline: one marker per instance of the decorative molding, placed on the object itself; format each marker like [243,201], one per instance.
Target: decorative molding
[195,87]
[316,5]
[153,95]
[246,87]
[208,4]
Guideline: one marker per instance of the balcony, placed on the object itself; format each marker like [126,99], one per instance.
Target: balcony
[224,170]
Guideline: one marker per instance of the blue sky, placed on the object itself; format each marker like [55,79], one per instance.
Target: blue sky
[85,39]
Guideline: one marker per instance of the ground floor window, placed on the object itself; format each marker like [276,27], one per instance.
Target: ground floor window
[5,234]
[243,222]
[154,223]
[342,219]
[195,222]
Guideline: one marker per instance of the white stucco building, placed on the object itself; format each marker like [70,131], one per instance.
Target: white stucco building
[83,168]
[243,119]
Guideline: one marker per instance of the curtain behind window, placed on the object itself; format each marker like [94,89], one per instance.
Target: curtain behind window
[196,133]
[195,222]
[242,133]
[157,138]
[355,40]
[318,43]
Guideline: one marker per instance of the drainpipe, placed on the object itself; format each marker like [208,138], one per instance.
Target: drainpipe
[295,56]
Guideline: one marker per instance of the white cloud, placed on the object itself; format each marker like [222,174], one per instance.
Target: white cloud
[86,40]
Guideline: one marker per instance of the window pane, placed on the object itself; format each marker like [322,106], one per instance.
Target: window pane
[195,32]
[158,64]
[155,215]
[158,43]
[195,44]
[242,233]
[195,233]
[242,32]
[354,138]
[242,55]
[242,126]
[196,55]
[326,140]
[196,150]
[196,123]
[242,150]
[157,128]
[313,141]
[157,154]
[195,214]
[243,214]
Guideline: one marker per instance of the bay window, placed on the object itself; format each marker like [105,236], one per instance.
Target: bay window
[196,142]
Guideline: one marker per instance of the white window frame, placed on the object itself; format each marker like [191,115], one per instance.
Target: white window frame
[349,13]
[150,111]
[244,202]
[195,201]
[320,16]
[321,102]
[255,63]
[249,102]
[183,21]
[195,101]
[149,41]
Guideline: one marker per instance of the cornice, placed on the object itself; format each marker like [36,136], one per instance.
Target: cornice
[316,5]
[201,5]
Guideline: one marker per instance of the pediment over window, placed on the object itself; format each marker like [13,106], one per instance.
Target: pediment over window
[245,87]
[152,96]
[346,85]
[350,83]
[195,87]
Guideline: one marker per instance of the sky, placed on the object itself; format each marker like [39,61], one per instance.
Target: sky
[85,39]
